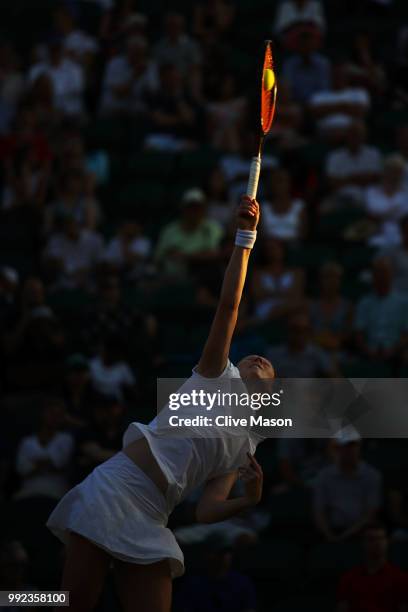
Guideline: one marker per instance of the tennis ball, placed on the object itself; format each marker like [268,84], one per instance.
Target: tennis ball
[268,79]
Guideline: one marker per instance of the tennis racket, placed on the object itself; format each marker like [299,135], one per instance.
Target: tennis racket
[267,112]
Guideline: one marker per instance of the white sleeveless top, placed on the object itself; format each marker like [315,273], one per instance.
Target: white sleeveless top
[284,226]
[189,462]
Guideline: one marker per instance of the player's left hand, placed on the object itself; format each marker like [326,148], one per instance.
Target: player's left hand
[248,214]
[252,477]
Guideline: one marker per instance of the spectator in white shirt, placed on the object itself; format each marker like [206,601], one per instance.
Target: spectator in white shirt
[128,79]
[43,457]
[387,203]
[354,167]
[67,79]
[110,373]
[284,216]
[335,109]
[129,250]
[73,253]
[79,45]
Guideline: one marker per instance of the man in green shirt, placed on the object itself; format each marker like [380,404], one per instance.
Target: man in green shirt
[191,239]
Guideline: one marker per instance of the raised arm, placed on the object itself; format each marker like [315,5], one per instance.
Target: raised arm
[216,350]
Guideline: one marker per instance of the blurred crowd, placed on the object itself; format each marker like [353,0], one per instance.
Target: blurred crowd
[126,133]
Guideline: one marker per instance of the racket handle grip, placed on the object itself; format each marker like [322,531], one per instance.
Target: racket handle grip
[253,180]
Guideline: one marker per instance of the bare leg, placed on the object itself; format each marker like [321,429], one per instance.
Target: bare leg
[85,571]
[144,587]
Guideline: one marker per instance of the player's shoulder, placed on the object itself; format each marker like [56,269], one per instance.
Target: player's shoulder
[230,371]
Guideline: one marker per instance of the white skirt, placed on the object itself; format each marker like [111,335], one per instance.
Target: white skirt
[118,508]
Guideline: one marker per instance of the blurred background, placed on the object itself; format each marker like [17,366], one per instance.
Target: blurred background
[126,133]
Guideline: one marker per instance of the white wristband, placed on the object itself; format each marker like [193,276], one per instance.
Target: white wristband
[245,238]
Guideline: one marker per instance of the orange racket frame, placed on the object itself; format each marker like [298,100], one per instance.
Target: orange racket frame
[267,113]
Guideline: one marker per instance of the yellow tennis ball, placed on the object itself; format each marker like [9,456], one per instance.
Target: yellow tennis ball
[268,79]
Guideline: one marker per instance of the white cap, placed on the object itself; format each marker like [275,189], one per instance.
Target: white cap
[193,196]
[346,435]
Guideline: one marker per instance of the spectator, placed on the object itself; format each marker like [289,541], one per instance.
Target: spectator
[93,164]
[398,256]
[34,336]
[219,586]
[192,239]
[306,72]
[363,67]
[330,313]
[276,288]
[129,250]
[287,124]
[377,585]
[25,139]
[77,44]
[76,199]
[298,357]
[176,47]
[42,458]
[299,461]
[110,373]
[212,20]
[388,202]
[172,112]
[111,316]
[73,253]
[226,114]
[347,494]
[335,110]
[77,390]
[381,321]
[25,185]
[103,437]
[284,217]
[219,207]
[354,167]
[67,79]
[127,80]
[293,17]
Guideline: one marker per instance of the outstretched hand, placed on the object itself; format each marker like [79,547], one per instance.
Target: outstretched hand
[248,214]
[252,477]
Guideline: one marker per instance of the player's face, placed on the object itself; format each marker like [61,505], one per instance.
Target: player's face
[256,367]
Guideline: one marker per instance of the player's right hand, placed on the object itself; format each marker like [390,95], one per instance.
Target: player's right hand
[248,214]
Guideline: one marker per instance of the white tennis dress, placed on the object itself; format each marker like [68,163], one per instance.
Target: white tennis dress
[122,511]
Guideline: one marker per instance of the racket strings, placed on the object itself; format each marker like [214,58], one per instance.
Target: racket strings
[268,97]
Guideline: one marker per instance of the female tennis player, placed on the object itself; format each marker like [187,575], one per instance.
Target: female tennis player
[118,514]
